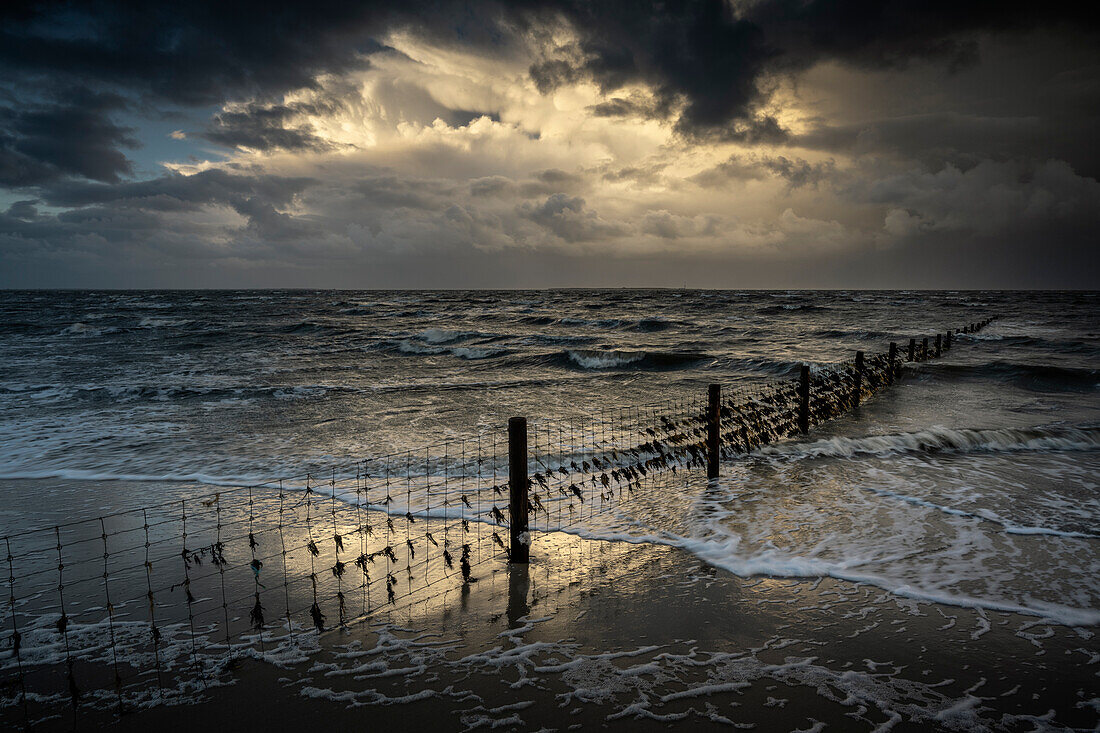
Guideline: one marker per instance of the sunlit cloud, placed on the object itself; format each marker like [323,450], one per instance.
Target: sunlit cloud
[419,142]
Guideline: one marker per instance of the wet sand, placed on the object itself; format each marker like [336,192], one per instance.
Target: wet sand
[637,637]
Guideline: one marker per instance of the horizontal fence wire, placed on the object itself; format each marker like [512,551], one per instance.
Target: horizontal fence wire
[582,468]
[142,606]
[174,594]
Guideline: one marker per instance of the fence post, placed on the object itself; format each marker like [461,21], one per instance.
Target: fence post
[892,370]
[947,341]
[859,376]
[912,349]
[714,402]
[924,349]
[804,399]
[939,344]
[517,490]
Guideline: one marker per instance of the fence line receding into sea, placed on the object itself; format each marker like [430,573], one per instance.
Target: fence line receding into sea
[152,605]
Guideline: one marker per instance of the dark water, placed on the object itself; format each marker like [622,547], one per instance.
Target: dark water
[972,482]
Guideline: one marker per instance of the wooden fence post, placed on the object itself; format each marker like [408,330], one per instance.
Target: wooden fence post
[892,371]
[804,399]
[859,376]
[947,341]
[912,349]
[939,345]
[924,349]
[517,491]
[714,421]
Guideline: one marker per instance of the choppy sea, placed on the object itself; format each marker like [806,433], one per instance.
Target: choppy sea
[972,482]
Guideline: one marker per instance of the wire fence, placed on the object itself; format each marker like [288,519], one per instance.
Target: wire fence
[583,467]
[141,607]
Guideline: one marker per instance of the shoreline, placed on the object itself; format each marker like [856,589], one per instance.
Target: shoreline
[635,637]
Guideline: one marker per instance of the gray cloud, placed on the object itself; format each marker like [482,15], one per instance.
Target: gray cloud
[175,192]
[797,172]
[44,141]
[267,127]
[569,218]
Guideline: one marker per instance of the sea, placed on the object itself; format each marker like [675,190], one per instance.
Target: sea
[971,482]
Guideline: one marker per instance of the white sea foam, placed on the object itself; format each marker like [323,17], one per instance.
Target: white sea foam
[462,352]
[803,544]
[408,347]
[939,438]
[983,515]
[472,353]
[588,359]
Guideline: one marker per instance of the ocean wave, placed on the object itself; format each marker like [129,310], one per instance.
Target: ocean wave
[439,336]
[557,339]
[1032,376]
[84,330]
[310,327]
[836,333]
[651,325]
[592,322]
[539,320]
[19,327]
[642,325]
[939,439]
[592,359]
[462,352]
[162,322]
[64,394]
[775,367]
[473,353]
[791,307]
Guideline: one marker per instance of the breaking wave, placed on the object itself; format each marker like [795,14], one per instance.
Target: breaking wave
[1031,376]
[593,359]
[945,440]
[469,353]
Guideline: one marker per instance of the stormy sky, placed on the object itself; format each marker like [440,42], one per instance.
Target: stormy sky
[757,144]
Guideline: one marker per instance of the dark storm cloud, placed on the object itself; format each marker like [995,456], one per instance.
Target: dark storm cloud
[175,192]
[23,210]
[203,52]
[704,60]
[712,55]
[145,224]
[266,127]
[137,213]
[44,141]
[698,52]
[157,55]
[188,53]
[965,139]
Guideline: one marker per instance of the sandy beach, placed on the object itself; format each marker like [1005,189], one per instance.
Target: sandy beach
[635,637]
